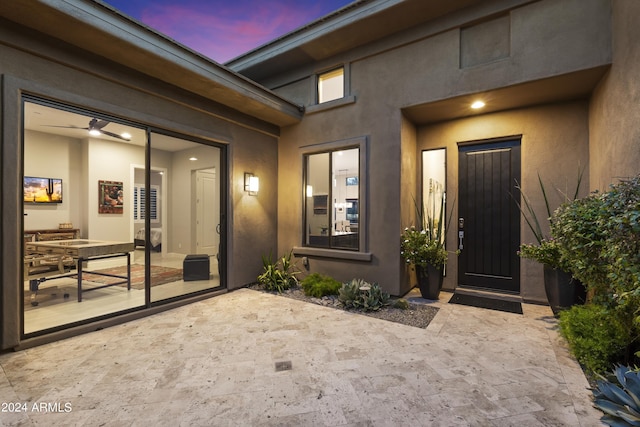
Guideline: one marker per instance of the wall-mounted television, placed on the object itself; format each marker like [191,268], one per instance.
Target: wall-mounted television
[42,190]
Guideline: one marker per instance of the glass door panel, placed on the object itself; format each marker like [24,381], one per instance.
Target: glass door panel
[184,229]
[77,225]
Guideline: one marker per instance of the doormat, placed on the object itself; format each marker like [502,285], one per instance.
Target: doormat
[484,302]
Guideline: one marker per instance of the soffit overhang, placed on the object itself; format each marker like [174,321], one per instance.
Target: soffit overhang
[567,87]
[98,28]
[357,24]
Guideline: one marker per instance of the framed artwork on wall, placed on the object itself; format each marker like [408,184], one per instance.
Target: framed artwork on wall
[110,197]
[42,190]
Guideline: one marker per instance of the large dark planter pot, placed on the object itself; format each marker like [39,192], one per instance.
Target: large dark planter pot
[562,289]
[429,281]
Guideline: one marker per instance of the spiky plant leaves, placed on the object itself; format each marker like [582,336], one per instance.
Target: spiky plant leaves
[613,421]
[608,407]
[615,393]
[359,294]
[633,387]
[629,418]
[619,402]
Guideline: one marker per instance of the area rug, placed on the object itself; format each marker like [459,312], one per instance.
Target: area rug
[159,275]
[484,302]
[53,292]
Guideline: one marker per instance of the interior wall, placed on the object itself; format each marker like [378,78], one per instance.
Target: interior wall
[105,163]
[554,145]
[615,105]
[53,156]
[181,215]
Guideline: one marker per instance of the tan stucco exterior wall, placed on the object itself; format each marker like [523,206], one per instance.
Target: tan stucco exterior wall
[88,81]
[547,38]
[615,107]
[383,195]
[253,224]
[554,144]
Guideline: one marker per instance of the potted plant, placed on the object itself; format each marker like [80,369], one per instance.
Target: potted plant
[428,256]
[423,247]
[561,288]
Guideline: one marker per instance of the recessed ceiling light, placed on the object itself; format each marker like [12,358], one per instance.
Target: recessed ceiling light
[193,159]
[126,135]
[477,105]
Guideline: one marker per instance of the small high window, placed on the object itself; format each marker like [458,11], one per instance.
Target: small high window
[331,85]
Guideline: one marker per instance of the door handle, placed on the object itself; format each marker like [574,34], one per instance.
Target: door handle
[460,238]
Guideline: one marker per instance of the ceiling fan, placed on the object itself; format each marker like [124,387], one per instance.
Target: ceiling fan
[96,127]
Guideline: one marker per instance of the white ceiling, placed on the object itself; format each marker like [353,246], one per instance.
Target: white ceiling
[44,119]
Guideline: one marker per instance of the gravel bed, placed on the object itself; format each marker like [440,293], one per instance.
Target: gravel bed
[416,315]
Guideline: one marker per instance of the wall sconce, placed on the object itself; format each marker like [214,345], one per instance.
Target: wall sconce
[309,191]
[251,183]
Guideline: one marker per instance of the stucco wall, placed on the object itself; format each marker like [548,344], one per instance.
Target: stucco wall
[547,38]
[383,194]
[615,106]
[253,226]
[554,144]
[89,81]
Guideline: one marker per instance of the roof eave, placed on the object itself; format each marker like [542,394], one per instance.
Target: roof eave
[90,24]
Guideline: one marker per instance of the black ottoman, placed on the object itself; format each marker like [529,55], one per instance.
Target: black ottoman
[195,267]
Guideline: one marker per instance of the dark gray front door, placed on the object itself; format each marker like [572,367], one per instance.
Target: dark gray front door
[488,216]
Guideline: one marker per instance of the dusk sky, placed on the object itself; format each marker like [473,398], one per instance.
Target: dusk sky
[225,29]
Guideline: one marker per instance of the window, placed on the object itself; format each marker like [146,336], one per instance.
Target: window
[139,201]
[332,217]
[331,85]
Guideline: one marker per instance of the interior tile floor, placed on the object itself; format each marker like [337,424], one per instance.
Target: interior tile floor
[57,310]
[213,363]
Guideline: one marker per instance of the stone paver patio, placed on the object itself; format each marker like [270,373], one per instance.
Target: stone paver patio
[213,363]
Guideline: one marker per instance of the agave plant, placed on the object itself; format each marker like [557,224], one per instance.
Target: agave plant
[360,295]
[619,398]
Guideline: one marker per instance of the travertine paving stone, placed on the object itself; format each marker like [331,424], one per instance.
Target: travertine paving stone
[213,363]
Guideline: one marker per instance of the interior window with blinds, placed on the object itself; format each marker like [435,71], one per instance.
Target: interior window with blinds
[139,199]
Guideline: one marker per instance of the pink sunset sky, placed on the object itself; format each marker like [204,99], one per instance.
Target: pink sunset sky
[225,29]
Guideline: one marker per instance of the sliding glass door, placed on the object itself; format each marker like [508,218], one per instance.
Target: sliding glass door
[185,236]
[117,217]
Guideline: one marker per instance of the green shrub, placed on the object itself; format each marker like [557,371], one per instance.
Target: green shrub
[401,303]
[280,275]
[599,238]
[596,336]
[318,285]
[578,228]
[361,295]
